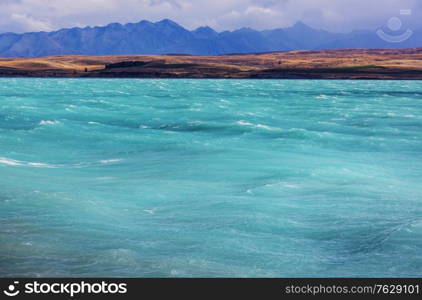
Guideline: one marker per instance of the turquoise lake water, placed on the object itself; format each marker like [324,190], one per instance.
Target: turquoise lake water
[210,178]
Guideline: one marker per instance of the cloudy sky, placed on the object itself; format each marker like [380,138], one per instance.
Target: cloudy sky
[332,15]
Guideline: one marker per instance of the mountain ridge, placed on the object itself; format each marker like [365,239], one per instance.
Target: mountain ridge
[166,36]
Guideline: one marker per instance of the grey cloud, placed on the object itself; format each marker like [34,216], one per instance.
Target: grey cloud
[333,15]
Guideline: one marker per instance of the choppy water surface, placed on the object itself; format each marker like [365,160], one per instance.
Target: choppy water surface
[210,178]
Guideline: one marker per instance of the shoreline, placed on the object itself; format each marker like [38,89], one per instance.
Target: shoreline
[211,78]
[303,75]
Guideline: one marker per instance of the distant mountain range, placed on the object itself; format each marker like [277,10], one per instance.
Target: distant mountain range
[167,37]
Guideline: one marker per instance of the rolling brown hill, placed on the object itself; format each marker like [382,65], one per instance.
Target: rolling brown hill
[325,64]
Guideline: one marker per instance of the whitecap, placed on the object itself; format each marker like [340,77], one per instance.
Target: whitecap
[40,165]
[244,123]
[69,108]
[49,122]
[17,163]
[110,161]
[249,191]
[261,126]
[9,162]
[265,127]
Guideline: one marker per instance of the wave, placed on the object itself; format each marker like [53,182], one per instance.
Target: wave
[239,127]
[261,126]
[322,96]
[244,123]
[42,123]
[16,163]
[110,161]
[9,162]
[197,126]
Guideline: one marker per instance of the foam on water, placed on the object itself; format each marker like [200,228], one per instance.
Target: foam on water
[49,122]
[180,178]
[10,162]
[110,161]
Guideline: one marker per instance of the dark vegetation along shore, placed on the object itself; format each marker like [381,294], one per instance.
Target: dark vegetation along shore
[323,64]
